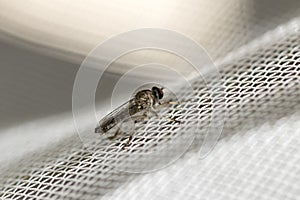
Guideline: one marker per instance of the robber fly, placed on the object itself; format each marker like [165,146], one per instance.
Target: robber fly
[137,109]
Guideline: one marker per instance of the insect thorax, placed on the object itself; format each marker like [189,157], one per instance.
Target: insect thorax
[144,99]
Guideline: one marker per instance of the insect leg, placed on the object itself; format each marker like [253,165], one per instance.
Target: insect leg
[127,143]
[139,118]
[169,118]
[129,140]
[167,103]
[153,112]
[173,119]
[135,119]
[115,135]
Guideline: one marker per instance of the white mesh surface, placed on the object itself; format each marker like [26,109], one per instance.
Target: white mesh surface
[261,85]
[261,164]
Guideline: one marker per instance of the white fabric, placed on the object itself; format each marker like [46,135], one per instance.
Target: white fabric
[263,163]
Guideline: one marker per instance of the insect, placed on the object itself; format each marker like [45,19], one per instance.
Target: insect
[137,109]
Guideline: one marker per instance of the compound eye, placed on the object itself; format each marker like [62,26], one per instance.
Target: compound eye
[157,92]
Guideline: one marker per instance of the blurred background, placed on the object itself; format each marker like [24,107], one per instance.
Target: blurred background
[43,43]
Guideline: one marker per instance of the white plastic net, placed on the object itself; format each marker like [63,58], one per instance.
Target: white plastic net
[261,84]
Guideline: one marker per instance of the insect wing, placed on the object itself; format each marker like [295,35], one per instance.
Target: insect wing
[114,118]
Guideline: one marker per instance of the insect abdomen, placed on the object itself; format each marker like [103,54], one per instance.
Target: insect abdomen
[106,125]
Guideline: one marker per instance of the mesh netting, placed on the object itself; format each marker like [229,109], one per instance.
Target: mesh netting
[260,164]
[260,83]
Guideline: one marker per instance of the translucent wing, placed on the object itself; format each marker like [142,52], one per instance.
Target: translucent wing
[115,117]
